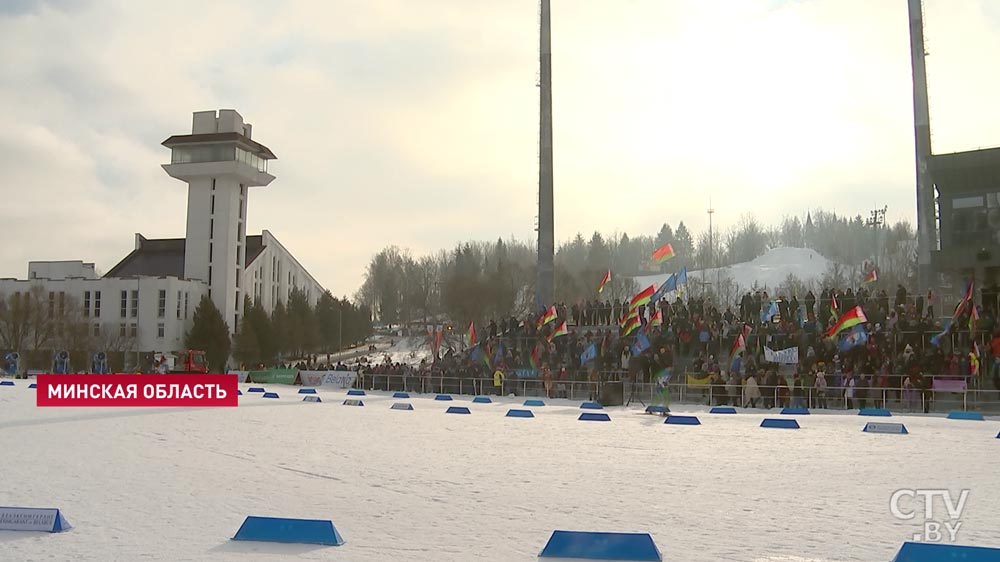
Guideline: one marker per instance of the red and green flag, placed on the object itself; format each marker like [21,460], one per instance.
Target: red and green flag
[850,319]
[548,316]
[625,319]
[663,253]
[973,320]
[870,278]
[560,331]
[631,325]
[535,358]
[604,281]
[642,298]
[470,337]
[966,299]
[656,319]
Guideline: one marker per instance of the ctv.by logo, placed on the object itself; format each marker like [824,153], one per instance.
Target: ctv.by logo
[907,511]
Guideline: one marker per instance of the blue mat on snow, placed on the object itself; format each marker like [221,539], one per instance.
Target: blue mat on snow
[270,395]
[795,411]
[307,391]
[780,423]
[682,420]
[443,397]
[601,546]
[278,529]
[591,406]
[594,416]
[482,400]
[520,414]
[877,412]
[722,410]
[458,410]
[534,402]
[937,552]
[960,415]
[355,392]
[400,395]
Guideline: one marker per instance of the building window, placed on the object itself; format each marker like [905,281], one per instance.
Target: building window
[210,252]
[133,329]
[86,304]
[124,307]
[159,330]
[135,304]
[97,330]
[239,250]
[62,303]
[161,309]
[185,305]
[178,305]
[97,304]
[52,304]
[211,229]
[212,211]
[238,277]
[121,330]
[237,307]
[236,320]
[213,184]
[209,275]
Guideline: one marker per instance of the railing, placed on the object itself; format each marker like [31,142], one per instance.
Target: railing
[834,397]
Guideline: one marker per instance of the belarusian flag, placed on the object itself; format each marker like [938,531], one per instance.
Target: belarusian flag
[631,325]
[741,342]
[604,281]
[870,278]
[548,316]
[634,313]
[973,320]
[560,331]
[535,359]
[663,254]
[470,338]
[642,298]
[656,319]
[966,298]
[850,319]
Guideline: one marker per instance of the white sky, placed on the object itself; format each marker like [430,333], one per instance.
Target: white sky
[415,123]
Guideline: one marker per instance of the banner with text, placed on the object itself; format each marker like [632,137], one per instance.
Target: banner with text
[137,391]
[32,519]
[788,356]
[274,376]
[338,379]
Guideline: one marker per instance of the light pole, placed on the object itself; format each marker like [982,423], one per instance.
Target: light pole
[876,219]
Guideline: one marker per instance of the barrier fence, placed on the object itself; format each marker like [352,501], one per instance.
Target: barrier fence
[834,398]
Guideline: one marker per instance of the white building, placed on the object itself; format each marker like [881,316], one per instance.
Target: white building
[151,294]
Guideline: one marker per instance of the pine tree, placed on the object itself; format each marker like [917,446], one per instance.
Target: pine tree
[209,333]
[683,246]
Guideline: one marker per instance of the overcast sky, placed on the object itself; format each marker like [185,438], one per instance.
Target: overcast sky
[415,122]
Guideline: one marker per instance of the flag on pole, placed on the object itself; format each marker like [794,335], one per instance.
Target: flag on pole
[741,341]
[642,298]
[498,355]
[850,319]
[548,316]
[536,360]
[560,331]
[588,354]
[631,325]
[641,344]
[936,339]
[663,254]
[657,318]
[770,312]
[834,309]
[470,338]
[604,281]
[973,320]
[870,278]
[854,337]
[966,298]
[670,284]
[682,275]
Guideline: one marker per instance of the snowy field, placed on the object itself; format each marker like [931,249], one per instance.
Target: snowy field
[175,485]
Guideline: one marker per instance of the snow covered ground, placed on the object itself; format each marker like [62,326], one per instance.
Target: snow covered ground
[175,484]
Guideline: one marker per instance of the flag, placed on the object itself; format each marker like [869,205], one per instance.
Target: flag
[966,298]
[936,339]
[604,281]
[642,298]
[486,358]
[850,319]
[588,354]
[974,359]
[631,325]
[628,317]
[536,359]
[741,341]
[682,275]
[973,320]
[560,331]
[854,337]
[657,318]
[498,355]
[665,288]
[546,317]
[769,312]
[476,354]
[834,309]
[641,344]
[662,380]
[870,278]
[663,254]
[470,338]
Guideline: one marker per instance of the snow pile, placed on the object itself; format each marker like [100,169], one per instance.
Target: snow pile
[769,271]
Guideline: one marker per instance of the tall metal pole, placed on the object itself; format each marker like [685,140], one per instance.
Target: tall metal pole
[546,233]
[926,216]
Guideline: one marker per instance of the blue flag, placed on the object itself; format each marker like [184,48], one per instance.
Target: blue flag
[769,312]
[641,344]
[588,354]
[854,337]
[664,288]
[498,356]
[476,353]
[936,339]
[682,276]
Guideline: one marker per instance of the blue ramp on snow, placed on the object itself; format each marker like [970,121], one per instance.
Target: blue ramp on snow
[722,410]
[534,402]
[239,393]
[33,385]
[458,410]
[6,383]
[877,412]
[355,392]
[940,552]
[601,546]
[270,395]
[591,406]
[400,395]
[657,410]
[897,428]
[682,420]
[46,520]
[278,529]
[780,423]
[351,402]
[312,398]
[520,414]
[795,411]
[443,397]
[255,389]
[960,415]
[594,416]
[307,391]
[401,406]
[482,400]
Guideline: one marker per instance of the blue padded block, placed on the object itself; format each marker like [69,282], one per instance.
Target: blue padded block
[401,406]
[873,427]
[32,385]
[657,410]
[780,423]
[443,397]
[682,420]
[400,395]
[482,400]
[722,410]
[350,402]
[255,389]
[591,406]
[795,411]
[601,546]
[960,415]
[520,414]
[270,395]
[942,552]
[877,412]
[307,391]
[534,402]
[6,383]
[311,398]
[594,416]
[278,529]
[355,392]
[239,393]
[457,410]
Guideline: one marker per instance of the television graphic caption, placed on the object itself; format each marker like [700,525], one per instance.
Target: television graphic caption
[137,391]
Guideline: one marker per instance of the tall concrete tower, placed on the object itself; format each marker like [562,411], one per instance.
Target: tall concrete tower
[219,162]
[546,230]
[927,235]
